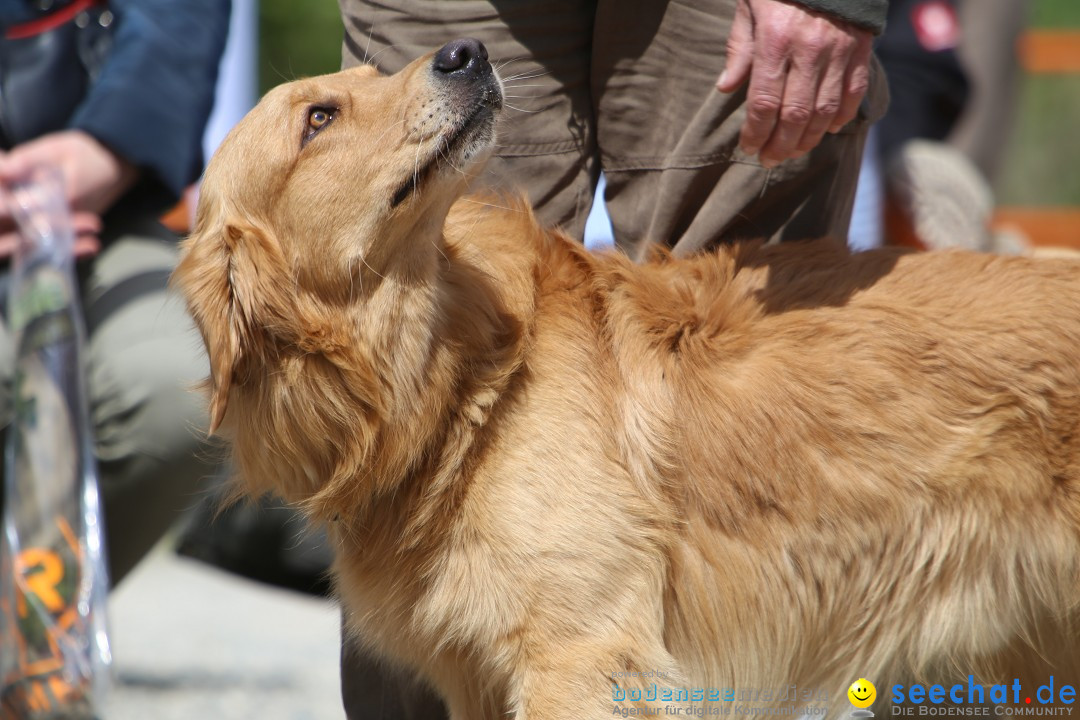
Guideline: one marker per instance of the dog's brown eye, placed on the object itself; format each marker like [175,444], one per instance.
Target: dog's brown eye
[317,119]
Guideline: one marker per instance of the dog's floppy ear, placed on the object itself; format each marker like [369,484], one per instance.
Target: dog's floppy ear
[234,279]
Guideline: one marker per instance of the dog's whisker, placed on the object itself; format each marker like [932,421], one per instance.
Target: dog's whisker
[490,205]
[522,110]
[281,76]
[439,249]
[371,60]
[371,31]
[389,129]
[500,64]
[352,285]
[443,155]
[525,76]
[416,170]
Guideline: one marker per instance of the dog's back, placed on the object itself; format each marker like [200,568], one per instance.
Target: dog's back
[816,466]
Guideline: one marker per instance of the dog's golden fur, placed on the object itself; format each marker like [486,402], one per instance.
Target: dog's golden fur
[762,467]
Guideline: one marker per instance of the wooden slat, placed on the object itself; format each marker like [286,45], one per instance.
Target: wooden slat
[1047,51]
[1045,227]
[1050,51]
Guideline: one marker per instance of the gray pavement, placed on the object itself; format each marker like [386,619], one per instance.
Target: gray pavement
[194,643]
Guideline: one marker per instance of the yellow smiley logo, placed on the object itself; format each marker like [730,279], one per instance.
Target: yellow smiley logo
[862,693]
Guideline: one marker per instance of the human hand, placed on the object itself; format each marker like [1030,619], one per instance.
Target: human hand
[94,179]
[807,71]
[86,226]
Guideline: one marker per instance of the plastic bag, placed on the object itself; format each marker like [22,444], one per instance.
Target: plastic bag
[54,648]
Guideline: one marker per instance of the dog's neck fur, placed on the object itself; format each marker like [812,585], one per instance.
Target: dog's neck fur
[367,390]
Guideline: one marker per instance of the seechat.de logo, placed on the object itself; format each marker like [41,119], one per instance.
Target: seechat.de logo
[1005,699]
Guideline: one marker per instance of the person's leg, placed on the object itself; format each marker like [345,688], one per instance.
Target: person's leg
[989,33]
[144,361]
[371,690]
[541,48]
[669,141]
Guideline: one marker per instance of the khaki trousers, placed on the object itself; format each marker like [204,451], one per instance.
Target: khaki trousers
[991,29]
[627,86]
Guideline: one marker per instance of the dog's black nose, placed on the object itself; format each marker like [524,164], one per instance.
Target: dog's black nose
[465,56]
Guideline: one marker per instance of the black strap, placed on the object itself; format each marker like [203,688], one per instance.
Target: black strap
[122,293]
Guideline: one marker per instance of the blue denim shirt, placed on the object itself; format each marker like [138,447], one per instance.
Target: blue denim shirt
[156,89]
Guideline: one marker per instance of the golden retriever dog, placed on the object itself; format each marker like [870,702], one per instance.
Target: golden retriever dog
[564,485]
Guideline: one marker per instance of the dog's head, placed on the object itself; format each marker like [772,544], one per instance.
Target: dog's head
[326,182]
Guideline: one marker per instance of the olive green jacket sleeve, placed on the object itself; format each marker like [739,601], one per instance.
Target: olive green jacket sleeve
[868,14]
